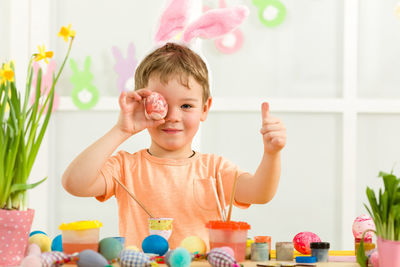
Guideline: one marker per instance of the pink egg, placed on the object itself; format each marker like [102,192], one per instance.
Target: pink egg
[362,223]
[302,241]
[156,106]
[374,260]
[228,250]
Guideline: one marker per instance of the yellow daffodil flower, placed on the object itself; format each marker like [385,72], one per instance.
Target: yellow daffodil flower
[43,54]
[66,32]
[6,73]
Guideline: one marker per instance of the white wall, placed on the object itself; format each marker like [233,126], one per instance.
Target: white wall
[329,71]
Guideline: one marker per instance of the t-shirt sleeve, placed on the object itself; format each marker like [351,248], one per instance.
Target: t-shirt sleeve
[227,171]
[112,168]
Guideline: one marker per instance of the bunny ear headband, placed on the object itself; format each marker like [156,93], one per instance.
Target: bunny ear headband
[211,24]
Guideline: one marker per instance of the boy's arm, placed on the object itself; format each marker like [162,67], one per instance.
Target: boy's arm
[261,187]
[80,178]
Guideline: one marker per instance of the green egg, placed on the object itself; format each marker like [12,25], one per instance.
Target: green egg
[110,248]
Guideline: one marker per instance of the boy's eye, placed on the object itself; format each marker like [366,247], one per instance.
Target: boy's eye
[186,106]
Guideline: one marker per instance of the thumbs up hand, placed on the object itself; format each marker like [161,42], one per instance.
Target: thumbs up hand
[273,131]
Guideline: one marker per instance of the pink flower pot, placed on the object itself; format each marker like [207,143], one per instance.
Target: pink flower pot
[389,253]
[15,227]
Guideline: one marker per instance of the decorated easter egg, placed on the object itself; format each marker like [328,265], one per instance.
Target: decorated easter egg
[155,244]
[135,248]
[228,250]
[302,241]
[90,258]
[179,257]
[218,257]
[56,244]
[129,258]
[42,240]
[36,232]
[374,259]
[362,223]
[194,244]
[110,248]
[156,106]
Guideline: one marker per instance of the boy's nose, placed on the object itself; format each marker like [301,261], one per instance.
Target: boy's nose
[173,115]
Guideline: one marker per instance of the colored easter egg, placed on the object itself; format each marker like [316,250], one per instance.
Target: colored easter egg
[42,240]
[135,248]
[155,244]
[110,248]
[31,261]
[56,244]
[156,106]
[36,232]
[179,257]
[228,250]
[302,241]
[374,259]
[90,258]
[362,223]
[194,244]
[129,258]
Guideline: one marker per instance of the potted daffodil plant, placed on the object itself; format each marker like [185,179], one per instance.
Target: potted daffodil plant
[384,209]
[24,114]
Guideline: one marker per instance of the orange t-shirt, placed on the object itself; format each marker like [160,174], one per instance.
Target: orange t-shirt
[168,188]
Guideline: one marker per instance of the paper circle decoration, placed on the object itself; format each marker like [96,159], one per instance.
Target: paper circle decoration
[85,98]
[231,42]
[270,12]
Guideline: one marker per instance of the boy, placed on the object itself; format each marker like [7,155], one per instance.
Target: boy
[169,178]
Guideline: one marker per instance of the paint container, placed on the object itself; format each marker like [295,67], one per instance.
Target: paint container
[284,251]
[229,234]
[320,250]
[260,249]
[248,248]
[80,235]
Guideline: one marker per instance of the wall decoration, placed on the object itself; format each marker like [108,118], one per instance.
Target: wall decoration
[230,42]
[47,82]
[125,68]
[84,94]
[270,12]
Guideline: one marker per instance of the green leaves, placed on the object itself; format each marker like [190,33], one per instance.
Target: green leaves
[23,127]
[384,209]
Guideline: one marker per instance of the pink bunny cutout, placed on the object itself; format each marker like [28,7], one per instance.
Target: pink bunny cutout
[46,84]
[125,67]
[230,42]
[211,24]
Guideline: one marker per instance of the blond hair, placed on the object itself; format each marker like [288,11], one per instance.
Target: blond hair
[173,59]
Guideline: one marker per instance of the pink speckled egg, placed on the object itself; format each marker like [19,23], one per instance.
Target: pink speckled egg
[302,241]
[362,223]
[374,259]
[156,106]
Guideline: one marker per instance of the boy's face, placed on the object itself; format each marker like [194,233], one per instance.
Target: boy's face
[185,112]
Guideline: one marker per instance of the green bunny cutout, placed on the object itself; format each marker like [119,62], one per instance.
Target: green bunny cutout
[84,95]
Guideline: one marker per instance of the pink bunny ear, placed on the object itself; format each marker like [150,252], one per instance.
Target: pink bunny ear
[216,22]
[173,20]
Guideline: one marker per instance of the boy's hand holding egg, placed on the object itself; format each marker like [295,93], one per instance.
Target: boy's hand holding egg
[141,109]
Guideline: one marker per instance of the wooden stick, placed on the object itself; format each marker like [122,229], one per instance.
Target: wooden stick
[133,197]
[214,187]
[232,196]
[221,189]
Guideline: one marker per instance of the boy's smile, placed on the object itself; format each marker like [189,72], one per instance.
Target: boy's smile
[173,138]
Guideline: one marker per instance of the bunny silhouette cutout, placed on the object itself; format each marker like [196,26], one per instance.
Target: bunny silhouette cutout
[230,42]
[84,94]
[45,86]
[125,68]
[211,24]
